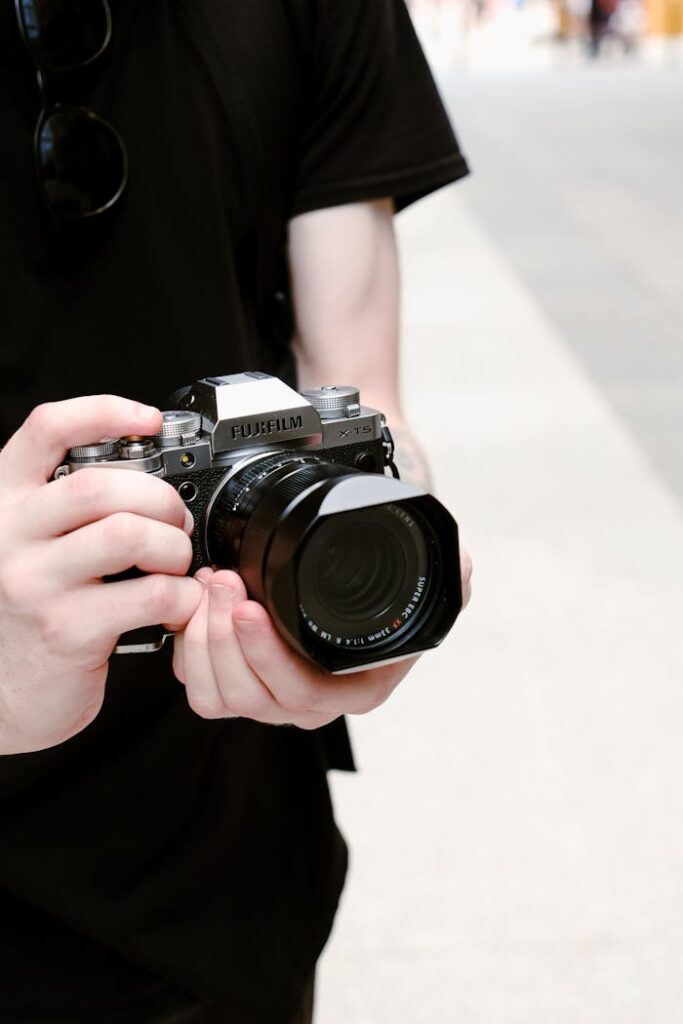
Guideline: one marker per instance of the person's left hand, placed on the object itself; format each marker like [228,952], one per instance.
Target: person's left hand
[235,664]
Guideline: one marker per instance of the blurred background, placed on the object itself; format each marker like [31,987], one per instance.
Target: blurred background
[517,823]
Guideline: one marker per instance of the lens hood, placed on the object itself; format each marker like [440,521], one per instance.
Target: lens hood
[356,569]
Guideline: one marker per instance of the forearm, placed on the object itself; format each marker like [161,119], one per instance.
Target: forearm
[345,281]
[346,286]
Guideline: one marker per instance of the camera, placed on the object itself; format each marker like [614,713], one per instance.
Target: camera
[292,491]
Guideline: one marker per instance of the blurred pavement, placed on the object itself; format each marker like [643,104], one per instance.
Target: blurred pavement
[517,824]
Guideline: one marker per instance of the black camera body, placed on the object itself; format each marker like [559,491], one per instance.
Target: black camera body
[289,489]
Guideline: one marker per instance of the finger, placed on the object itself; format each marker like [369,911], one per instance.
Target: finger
[113,545]
[116,608]
[299,686]
[203,576]
[241,690]
[178,657]
[32,454]
[466,576]
[203,694]
[92,494]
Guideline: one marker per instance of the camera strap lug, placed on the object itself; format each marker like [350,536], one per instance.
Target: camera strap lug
[389,449]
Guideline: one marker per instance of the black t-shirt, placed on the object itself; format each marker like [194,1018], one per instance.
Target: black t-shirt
[157,855]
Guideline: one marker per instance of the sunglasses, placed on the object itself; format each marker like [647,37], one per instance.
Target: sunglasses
[80,159]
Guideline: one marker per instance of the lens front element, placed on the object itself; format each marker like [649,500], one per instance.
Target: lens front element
[363,576]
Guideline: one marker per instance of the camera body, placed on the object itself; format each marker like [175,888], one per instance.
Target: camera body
[261,467]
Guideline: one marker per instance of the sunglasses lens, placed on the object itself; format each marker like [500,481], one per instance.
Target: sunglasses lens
[64,34]
[81,162]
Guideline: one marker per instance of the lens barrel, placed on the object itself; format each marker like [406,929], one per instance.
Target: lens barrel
[355,568]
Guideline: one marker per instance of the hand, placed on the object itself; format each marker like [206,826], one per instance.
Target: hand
[58,622]
[234,663]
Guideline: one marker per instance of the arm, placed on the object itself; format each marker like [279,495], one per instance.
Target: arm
[231,658]
[346,285]
[58,539]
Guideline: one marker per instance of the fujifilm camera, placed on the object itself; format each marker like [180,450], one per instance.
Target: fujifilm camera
[298,493]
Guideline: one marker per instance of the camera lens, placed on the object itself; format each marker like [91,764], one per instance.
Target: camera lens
[353,567]
[353,570]
[362,575]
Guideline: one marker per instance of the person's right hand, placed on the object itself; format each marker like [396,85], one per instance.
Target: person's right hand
[59,622]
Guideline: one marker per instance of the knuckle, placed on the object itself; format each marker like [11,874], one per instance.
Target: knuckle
[109,406]
[56,629]
[85,484]
[160,597]
[14,584]
[123,531]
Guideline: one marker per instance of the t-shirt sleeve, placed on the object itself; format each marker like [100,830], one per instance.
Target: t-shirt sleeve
[375,126]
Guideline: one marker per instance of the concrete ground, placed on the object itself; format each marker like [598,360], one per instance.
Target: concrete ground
[517,823]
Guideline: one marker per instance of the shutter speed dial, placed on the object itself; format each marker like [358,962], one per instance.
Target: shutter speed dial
[334,400]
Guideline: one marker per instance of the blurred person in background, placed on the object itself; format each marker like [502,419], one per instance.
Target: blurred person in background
[599,19]
[212,190]
[621,20]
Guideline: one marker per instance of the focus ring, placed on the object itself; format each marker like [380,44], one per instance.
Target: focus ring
[235,503]
[251,504]
[275,498]
[244,480]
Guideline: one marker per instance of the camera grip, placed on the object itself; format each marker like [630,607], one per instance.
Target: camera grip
[144,640]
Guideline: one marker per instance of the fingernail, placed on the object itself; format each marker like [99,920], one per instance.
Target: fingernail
[222,593]
[147,412]
[188,526]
